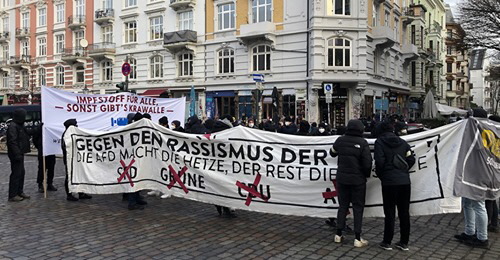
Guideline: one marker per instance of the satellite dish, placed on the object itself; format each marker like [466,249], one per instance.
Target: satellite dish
[84,43]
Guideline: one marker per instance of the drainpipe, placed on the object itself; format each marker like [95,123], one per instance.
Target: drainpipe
[307,59]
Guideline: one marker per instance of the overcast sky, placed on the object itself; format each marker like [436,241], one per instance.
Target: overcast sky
[453,4]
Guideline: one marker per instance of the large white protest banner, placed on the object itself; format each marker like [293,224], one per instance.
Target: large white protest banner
[99,112]
[251,169]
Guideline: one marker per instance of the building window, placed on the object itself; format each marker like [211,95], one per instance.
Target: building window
[5,23]
[339,53]
[42,77]
[107,34]
[42,16]
[396,68]
[226,61]
[130,3]
[413,73]
[186,20]
[449,85]
[387,18]
[387,65]
[422,32]
[449,34]
[80,74]
[133,68]
[25,20]
[156,28]
[156,67]
[80,8]
[42,46]
[60,13]
[449,67]
[396,28]
[185,64]
[226,16]
[342,7]
[413,35]
[261,58]
[59,76]
[131,32]
[5,79]
[25,48]
[5,52]
[79,35]
[449,50]
[25,78]
[107,71]
[261,11]
[289,105]
[107,4]
[449,101]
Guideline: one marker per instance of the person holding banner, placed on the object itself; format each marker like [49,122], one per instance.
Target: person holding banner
[135,200]
[354,167]
[69,195]
[393,161]
[50,163]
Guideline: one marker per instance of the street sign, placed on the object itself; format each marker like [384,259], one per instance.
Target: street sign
[258,77]
[328,87]
[329,98]
[126,69]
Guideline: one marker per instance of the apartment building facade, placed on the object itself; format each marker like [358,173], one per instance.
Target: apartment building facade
[456,91]
[480,63]
[45,48]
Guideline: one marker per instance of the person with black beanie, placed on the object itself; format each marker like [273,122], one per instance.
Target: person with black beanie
[69,195]
[393,161]
[135,200]
[163,121]
[176,126]
[353,168]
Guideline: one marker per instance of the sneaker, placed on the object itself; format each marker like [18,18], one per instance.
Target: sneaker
[165,196]
[360,243]
[464,237]
[478,243]
[338,239]
[16,199]
[84,196]
[70,197]
[402,246]
[24,196]
[385,246]
[154,193]
[135,206]
[51,188]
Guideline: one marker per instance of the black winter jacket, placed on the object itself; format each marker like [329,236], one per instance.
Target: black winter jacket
[355,159]
[290,129]
[386,147]
[18,140]
[194,126]
[221,125]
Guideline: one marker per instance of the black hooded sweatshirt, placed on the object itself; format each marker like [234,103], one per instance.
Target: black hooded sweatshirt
[386,147]
[194,126]
[18,139]
[355,159]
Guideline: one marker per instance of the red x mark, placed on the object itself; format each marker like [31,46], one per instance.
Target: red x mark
[177,178]
[207,136]
[252,191]
[125,172]
[331,194]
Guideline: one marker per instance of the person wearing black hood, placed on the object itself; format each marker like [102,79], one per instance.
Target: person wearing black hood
[289,127]
[354,167]
[209,124]
[135,200]
[176,126]
[393,161]
[50,162]
[18,144]
[163,121]
[194,126]
[303,128]
[322,130]
[69,196]
[269,126]
[226,122]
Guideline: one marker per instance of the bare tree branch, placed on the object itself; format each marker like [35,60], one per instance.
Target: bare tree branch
[480,20]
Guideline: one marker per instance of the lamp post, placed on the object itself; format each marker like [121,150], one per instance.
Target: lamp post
[85,90]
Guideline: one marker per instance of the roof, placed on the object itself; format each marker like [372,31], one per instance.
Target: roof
[449,16]
[477,59]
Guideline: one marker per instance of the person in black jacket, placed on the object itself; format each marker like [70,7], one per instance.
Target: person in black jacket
[69,195]
[303,128]
[393,160]
[50,162]
[354,167]
[289,127]
[18,144]
[194,126]
[176,126]
[135,200]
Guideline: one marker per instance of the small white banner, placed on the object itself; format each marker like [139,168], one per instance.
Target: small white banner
[249,169]
[99,112]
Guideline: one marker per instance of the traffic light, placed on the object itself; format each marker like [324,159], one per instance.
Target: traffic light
[121,87]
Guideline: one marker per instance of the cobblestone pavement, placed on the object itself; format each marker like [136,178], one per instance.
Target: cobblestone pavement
[103,228]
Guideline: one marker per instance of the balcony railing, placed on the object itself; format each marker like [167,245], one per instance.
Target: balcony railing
[23,59]
[182,4]
[23,32]
[180,36]
[102,46]
[76,21]
[104,13]
[74,52]
[102,51]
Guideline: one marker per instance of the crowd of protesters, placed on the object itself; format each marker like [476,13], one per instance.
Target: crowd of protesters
[393,159]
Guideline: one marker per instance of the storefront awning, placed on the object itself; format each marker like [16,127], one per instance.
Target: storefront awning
[221,93]
[448,110]
[243,93]
[400,91]
[267,92]
[153,92]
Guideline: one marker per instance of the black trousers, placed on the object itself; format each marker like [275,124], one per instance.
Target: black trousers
[133,198]
[50,164]
[16,182]
[492,210]
[348,194]
[397,196]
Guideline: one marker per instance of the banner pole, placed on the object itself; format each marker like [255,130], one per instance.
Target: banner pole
[44,178]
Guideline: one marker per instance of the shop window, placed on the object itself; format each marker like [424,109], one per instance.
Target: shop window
[289,105]
[245,106]
[226,106]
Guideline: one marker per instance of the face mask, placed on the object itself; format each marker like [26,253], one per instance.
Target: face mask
[288,123]
[404,131]
[172,126]
[251,125]
[321,130]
